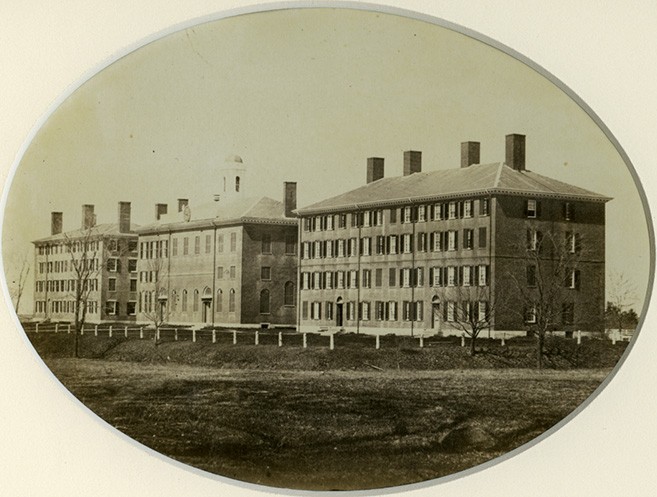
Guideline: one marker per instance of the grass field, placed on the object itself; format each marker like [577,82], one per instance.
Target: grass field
[325,429]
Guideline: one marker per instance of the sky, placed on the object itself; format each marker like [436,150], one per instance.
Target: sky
[305,96]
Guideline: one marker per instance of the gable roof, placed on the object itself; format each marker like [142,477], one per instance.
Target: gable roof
[478,179]
[258,210]
[98,231]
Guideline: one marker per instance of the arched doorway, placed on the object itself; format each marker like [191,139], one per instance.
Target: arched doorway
[339,312]
[436,320]
[206,309]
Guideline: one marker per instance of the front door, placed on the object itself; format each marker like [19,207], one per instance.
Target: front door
[338,314]
[435,316]
[206,311]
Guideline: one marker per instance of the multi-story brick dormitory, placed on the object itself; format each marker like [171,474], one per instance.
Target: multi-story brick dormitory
[232,261]
[411,254]
[99,259]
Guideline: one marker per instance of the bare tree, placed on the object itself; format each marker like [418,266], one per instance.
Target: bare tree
[18,284]
[551,265]
[154,296]
[85,266]
[621,297]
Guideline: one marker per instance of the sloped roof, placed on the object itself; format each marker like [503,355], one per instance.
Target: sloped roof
[98,231]
[237,211]
[495,178]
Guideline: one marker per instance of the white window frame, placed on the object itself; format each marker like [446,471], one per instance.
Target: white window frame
[421,213]
[467,275]
[451,275]
[452,210]
[467,208]
[406,277]
[483,275]
[451,240]
[532,207]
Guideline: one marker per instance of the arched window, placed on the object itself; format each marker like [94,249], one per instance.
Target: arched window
[264,302]
[237,183]
[289,294]
[231,300]
[220,301]
[184,300]
[195,302]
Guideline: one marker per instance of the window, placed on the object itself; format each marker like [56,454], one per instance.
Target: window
[451,210]
[231,300]
[367,219]
[131,308]
[572,279]
[366,246]
[305,281]
[220,272]
[392,311]
[328,306]
[530,315]
[534,238]
[437,238]
[195,301]
[467,208]
[328,248]
[113,265]
[482,275]
[174,247]
[468,239]
[407,243]
[367,278]
[220,243]
[132,245]
[307,224]
[304,310]
[317,250]
[572,242]
[452,240]
[421,242]
[419,276]
[379,310]
[450,312]
[377,218]
[132,265]
[531,208]
[407,314]
[365,311]
[197,245]
[378,277]
[352,247]
[288,294]
[341,248]
[405,277]
[185,246]
[392,274]
[264,301]
[133,284]
[484,207]
[393,216]
[451,276]
[237,183]
[339,279]
[436,276]
[328,280]
[568,211]
[266,243]
[112,245]
[317,280]
[265,273]
[392,240]
[111,307]
[353,279]
[380,245]
[328,222]
[407,214]
[208,244]
[232,272]
[437,212]
[567,313]
[342,221]
[466,278]
[219,304]
[233,242]
[531,275]
[351,311]
[290,244]
[482,310]
[419,311]
[422,213]
[483,237]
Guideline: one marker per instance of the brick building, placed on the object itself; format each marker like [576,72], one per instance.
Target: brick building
[419,253]
[232,261]
[95,265]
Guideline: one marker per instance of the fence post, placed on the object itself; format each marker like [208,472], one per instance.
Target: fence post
[56,327]
[175,334]
[462,340]
[234,337]
[126,332]
[305,341]
[68,328]
[37,328]
[157,333]
[110,331]
[331,342]
[214,336]
[579,337]
[421,341]
[194,336]
[503,336]
[378,342]
[82,330]
[257,337]
[613,337]
[96,330]
[141,332]
[280,338]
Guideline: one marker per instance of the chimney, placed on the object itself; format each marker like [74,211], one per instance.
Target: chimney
[124,217]
[182,202]
[160,210]
[412,162]
[88,217]
[56,222]
[374,169]
[469,153]
[515,152]
[290,198]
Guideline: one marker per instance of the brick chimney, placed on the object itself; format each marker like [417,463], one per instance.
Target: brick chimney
[469,153]
[374,169]
[412,162]
[160,210]
[88,217]
[56,223]
[124,217]
[290,198]
[182,202]
[515,151]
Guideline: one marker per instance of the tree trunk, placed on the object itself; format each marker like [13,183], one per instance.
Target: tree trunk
[473,350]
[539,349]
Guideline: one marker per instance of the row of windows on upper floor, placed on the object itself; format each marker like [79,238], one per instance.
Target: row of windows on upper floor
[89,246]
[448,276]
[203,245]
[68,285]
[64,306]
[462,209]
[437,241]
[85,267]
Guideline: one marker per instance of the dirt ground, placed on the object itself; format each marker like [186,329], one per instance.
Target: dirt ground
[339,429]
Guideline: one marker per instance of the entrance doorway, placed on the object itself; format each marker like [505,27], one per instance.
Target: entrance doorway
[207,311]
[339,312]
[435,313]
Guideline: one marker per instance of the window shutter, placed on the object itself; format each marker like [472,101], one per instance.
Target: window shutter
[460,276]
[577,279]
[401,277]
[432,238]
[444,276]
[431,276]
[526,208]
[411,242]
[456,240]
[529,239]
[460,209]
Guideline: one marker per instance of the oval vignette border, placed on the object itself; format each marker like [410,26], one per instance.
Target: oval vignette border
[416,16]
